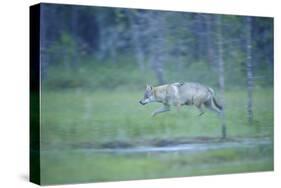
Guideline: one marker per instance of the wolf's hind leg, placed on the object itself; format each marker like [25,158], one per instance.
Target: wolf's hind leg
[178,106]
[199,106]
[164,108]
[211,106]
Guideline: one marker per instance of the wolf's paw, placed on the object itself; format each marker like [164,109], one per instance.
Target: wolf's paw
[153,114]
[201,113]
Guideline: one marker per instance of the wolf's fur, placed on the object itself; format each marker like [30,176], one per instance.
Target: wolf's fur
[178,94]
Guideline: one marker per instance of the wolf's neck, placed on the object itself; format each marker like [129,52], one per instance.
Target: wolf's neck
[159,94]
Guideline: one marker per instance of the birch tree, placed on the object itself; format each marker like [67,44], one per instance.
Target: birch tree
[44,60]
[74,26]
[209,31]
[249,69]
[135,18]
[220,61]
[157,47]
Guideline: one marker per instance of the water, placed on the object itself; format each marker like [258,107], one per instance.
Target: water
[192,147]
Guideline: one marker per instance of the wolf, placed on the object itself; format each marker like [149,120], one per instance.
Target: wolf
[179,94]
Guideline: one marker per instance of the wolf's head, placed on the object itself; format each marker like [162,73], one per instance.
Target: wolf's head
[148,96]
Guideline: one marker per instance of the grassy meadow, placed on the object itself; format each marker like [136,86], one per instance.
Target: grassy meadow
[70,166]
[95,118]
[76,120]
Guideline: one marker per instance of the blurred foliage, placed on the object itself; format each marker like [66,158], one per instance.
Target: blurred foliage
[83,41]
[93,74]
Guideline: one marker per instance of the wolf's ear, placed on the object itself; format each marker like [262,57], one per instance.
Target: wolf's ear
[148,87]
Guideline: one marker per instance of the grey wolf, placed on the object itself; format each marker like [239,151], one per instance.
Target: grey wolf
[179,94]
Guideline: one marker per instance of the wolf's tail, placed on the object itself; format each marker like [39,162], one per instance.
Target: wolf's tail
[216,104]
[211,91]
[214,100]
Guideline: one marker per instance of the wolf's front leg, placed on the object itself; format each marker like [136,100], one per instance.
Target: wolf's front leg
[164,108]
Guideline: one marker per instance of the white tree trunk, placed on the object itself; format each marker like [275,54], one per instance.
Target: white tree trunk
[44,56]
[74,53]
[210,49]
[157,46]
[249,70]
[136,39]
[221,73]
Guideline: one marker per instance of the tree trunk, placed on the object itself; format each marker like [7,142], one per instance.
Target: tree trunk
[112,38]
[74,53]
[210,49]
[249,70]
[44,55]
[158,46]
[103,32]
[157,66]
[136,39]
[221,73]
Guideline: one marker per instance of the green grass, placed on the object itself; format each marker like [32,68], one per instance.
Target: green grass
[94,104]
[78,116]
[83,118]
[72,166]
